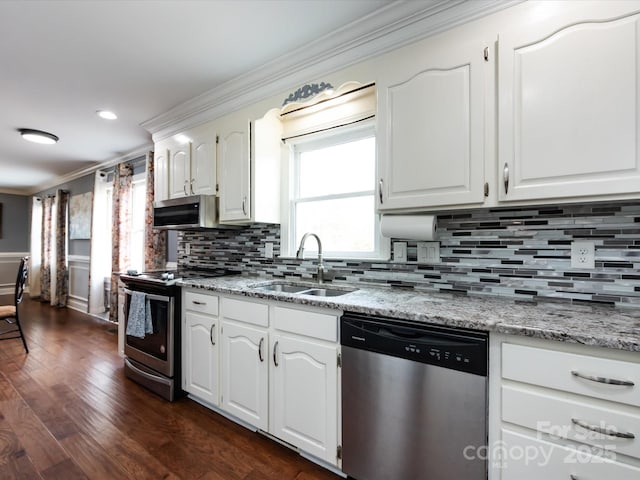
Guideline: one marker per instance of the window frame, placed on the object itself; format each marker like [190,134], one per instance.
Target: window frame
[345,134]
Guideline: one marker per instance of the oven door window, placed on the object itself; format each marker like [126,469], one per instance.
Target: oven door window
[155,344]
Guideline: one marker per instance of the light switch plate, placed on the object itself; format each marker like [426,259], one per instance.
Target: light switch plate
[187,248]
[268,250]
[399,252]
[428,252]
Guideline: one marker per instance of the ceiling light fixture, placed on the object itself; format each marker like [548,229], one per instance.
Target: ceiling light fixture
[38,136]
[107,115]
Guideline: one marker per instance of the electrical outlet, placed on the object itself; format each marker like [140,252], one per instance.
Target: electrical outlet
[268,250]
[428,252]
[399,252]
[583,254]
[187,248]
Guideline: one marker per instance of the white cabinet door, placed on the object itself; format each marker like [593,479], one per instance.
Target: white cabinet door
[235,167]
[179,169]
[161,171]
[245,373]
[431,127]
[203,162]
[201,368]
[568,104]
[304,401]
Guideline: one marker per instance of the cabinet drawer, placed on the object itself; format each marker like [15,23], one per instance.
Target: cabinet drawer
[573,419]
[243,311]
[201,302]
[570,372]
[311,324]
[528,458]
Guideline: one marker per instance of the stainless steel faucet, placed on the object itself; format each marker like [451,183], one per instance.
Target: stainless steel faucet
[300,254]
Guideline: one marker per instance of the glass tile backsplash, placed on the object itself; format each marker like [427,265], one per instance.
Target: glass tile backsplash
[521,252]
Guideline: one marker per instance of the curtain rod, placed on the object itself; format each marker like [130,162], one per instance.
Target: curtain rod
[284,140]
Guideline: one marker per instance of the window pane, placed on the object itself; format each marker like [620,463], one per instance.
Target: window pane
[348,167]
[344,225]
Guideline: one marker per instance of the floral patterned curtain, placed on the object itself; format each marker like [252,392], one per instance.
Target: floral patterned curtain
[45,268]
[120,231]
[155,241]
[62,269]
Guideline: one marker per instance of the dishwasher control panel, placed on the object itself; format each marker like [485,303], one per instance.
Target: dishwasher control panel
[452,348]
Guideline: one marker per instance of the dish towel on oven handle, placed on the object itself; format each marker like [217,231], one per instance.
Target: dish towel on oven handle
[139,322]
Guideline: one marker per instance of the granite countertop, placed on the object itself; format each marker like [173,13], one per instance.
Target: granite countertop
[589,325]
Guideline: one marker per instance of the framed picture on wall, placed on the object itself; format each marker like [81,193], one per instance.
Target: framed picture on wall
[80,216]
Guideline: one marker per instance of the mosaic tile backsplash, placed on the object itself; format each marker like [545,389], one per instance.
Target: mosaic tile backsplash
[519,252]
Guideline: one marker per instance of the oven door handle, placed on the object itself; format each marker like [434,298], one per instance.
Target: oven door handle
[151,296]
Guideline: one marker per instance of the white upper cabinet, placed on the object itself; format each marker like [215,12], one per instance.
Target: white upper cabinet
[569,102]
[235,168]
[192,162]
[161,171]
[431,117]
[250,158]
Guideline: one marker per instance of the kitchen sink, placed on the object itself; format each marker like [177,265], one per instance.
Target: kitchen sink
[283,287]
[304,289]
[326,292]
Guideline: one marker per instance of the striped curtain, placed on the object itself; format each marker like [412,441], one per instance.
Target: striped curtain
[120,230]
[155,241]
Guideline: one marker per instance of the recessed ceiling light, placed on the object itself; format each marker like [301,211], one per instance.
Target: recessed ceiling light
[106,114]
[38,136]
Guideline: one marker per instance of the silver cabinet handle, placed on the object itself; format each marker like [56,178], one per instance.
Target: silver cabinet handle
[244,205]
[275,354]
[608,381]
[196,302]
[191,186]
[260,350]
[211,334]
[380,185]
[603,431]
[505,178]
[184,187]
[573,477]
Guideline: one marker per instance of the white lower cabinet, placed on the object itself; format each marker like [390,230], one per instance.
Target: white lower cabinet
[534,459]
[304,406]
[563,411]
[200,346]
[279,372]
[245,373]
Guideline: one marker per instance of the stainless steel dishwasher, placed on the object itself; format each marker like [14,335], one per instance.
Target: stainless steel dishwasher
[414,400]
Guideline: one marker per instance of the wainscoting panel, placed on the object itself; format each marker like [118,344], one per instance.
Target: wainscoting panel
[78,282]
[9,262]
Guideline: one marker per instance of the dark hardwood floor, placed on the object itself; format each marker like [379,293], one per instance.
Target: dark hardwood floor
[68,412]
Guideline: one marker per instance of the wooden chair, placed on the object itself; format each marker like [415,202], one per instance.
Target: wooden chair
[9,313]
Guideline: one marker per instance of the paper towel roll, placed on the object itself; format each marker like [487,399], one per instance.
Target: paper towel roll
[409,227]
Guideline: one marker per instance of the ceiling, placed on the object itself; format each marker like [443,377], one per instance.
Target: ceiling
[158,62]
[64,60]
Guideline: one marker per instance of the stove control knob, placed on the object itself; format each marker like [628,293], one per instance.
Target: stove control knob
[164,276]
[169,276]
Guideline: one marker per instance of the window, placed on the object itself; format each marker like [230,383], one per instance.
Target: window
[332,194]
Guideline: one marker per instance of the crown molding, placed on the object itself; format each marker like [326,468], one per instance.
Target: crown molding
[391,27]
[87,170]
[13,191]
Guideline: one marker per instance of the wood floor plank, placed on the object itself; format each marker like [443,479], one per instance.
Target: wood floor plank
[67,411]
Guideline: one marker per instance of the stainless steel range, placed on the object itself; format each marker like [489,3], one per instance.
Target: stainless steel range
[153,358]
